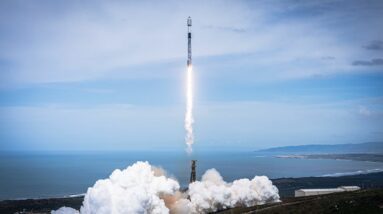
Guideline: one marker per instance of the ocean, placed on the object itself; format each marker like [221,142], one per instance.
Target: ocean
[58,174]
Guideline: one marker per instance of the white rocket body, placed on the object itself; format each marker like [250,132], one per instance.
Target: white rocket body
[189,24]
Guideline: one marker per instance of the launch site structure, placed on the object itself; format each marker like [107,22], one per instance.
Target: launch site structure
[193,172]
[189,24]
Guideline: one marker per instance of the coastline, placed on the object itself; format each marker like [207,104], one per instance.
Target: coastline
[352,157]
[286,187]
[279,182]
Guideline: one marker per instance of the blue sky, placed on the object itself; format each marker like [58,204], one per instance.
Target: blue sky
[109,75]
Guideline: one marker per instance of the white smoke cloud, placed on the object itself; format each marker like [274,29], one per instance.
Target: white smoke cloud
[212,193]
[136,189]
[65,210]
[142,188]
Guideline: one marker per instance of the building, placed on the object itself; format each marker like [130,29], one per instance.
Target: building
[309,192]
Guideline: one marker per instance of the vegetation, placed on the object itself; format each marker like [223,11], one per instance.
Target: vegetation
[371,183]
[364,201]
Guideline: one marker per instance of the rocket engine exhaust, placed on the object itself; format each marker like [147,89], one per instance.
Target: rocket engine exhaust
[143,188]
[189,138]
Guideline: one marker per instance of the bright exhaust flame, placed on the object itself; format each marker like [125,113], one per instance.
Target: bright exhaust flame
[189,110]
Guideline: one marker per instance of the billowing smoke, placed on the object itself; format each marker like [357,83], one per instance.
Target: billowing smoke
[189,120]
[136,189]
[142,188]
[65,210]
[212,193]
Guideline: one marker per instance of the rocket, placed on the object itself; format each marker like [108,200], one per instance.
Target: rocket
[189,24]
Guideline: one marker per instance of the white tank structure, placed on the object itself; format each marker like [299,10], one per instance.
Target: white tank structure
[310,192]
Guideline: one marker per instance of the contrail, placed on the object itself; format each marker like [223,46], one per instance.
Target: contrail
[189,95]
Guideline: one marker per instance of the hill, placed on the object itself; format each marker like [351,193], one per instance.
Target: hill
[371,147]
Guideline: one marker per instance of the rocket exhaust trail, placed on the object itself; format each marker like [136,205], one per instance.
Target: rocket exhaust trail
[189,110]
[189,95]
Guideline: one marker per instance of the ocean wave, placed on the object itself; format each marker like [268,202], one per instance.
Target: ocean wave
[359,172]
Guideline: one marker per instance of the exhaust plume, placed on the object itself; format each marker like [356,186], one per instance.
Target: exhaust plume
[212,193]
[189,138]
[142,188]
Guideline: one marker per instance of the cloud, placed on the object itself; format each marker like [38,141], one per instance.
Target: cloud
[376,45]
[363,110]
[327,58]
[233,29]
[245,125]
[373,62]
[98,90]
[71,41]
[131,127]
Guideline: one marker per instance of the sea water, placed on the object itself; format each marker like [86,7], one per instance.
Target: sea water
[58,174]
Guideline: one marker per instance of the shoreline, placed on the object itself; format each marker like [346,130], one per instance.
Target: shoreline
[286,187]
[376,158]
[46,198]
[344,175]
[333,175]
